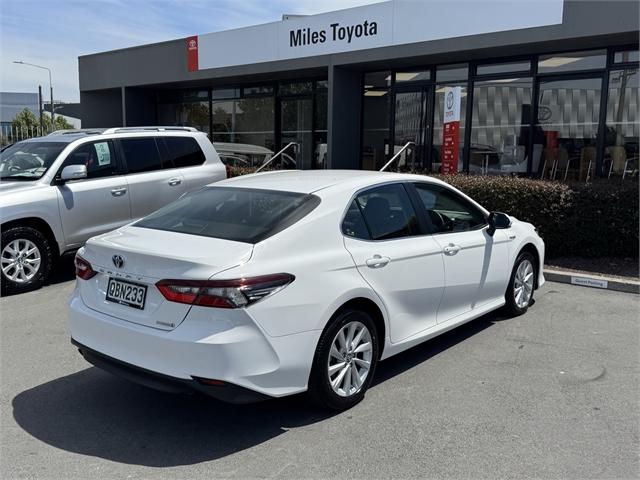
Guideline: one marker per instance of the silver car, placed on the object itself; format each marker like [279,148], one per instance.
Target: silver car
[58,191]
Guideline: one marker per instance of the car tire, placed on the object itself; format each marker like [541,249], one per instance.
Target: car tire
[356,362]
[519,294]
[33,252]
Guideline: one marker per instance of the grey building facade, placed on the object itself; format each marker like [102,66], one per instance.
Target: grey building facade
[556,94]
[12,103]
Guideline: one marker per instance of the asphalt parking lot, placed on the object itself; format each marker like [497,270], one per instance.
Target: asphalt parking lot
[551,394]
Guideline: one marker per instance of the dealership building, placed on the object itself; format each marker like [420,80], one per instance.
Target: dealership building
[547,88]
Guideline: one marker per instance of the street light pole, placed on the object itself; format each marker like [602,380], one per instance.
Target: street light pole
[50,87]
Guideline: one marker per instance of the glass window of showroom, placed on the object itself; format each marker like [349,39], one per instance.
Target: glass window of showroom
[543,116]
[249,124]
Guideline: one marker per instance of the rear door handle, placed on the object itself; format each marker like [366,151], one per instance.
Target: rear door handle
[377,261]
[174,181]
[118,192]
[451,249]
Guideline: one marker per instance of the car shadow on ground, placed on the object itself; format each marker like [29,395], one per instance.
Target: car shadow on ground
[94,413]
[63,270]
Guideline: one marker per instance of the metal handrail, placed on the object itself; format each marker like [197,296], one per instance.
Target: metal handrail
[406,145]
[275,156]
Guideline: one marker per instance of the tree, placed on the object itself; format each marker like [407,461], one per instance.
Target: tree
[26,124]
[25,121]
[60,123]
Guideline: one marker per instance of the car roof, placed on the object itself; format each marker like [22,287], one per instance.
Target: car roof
[71,135]
[310,181]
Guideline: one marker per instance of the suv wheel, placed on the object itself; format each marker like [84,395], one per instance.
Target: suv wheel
[519,295]
[25,259]
[344,362]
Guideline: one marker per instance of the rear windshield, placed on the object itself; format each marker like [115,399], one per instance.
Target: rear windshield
[240,214]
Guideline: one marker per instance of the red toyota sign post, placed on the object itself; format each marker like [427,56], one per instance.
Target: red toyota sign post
[192,53]
[450,131]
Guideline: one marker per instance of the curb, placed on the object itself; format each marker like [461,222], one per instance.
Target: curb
[593,281]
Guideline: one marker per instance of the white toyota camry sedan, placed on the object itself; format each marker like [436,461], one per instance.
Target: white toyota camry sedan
[277,283]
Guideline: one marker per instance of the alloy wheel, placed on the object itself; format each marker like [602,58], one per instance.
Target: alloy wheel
[350,359]
[20,260]
[523,284]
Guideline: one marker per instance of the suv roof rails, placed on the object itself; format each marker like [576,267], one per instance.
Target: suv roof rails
[148,129]
[74,131]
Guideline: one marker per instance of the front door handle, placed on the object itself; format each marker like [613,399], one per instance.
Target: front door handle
[451,249]
[377,261]
[174,181]
[118,192]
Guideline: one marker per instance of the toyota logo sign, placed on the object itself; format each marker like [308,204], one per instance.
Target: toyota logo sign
[118,261]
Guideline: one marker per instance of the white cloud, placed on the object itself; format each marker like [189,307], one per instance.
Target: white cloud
[55,33]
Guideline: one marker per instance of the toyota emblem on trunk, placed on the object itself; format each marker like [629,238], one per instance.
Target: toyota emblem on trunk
[118,261]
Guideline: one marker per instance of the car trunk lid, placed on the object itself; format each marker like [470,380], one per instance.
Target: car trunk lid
[140,257]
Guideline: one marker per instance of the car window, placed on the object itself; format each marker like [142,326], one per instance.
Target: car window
[448,211]
[183,152]
[353,224]
[388,212]
[241,214]
[98,157]
[28,160]
[141,154]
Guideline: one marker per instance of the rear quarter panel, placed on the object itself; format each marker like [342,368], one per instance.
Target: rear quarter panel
[326,276]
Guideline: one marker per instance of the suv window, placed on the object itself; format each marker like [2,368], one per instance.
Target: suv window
[141,154]
[98,157]
[448,211]
[388,212]
[183,152]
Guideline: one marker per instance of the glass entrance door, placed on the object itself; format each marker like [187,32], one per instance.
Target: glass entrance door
[411,124]
[296,125]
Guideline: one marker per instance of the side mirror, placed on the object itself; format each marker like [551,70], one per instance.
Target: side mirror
[498,220]
[73,172]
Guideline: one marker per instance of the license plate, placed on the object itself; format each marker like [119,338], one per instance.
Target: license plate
[126,293]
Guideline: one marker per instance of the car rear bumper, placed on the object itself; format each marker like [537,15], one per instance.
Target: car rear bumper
[215,344]
[226,392]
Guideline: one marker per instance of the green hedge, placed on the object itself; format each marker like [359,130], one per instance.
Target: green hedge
[598,219]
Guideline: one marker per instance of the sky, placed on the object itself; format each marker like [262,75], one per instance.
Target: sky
[53,33]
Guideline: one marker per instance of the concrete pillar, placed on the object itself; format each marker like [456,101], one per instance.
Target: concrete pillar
[343,118]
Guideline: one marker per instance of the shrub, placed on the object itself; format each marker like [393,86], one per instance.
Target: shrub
[604,219]
[237,171]
[598,219]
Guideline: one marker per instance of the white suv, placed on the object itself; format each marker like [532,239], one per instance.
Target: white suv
[58,191]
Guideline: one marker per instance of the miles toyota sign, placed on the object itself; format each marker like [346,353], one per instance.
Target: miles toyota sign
[397,22]
[335,33]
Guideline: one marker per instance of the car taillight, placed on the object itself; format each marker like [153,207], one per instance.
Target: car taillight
[236,293]
[83,268]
